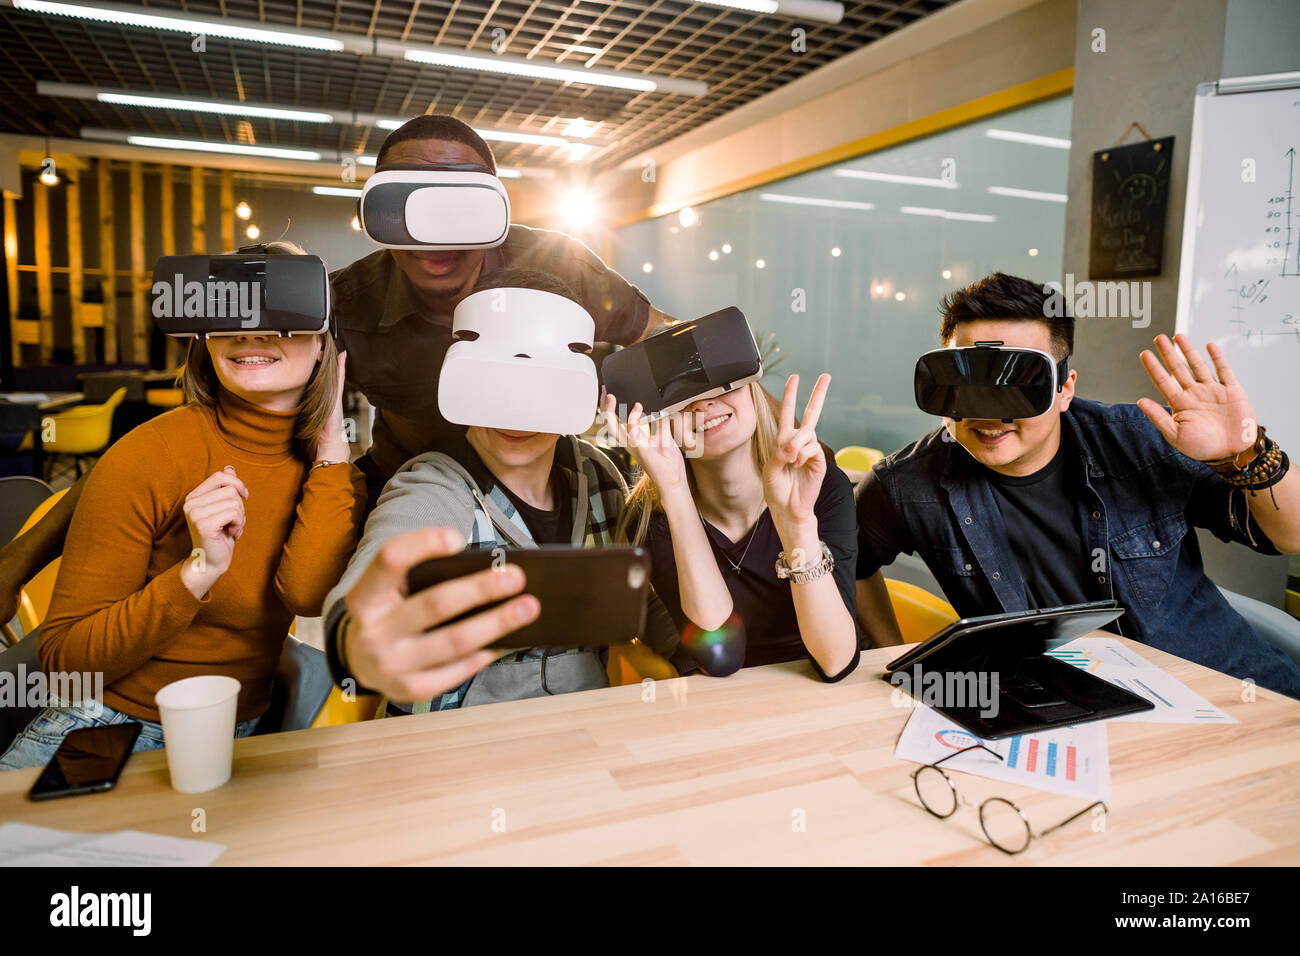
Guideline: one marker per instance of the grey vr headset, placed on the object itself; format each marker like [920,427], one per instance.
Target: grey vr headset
[249,292]
[434,206]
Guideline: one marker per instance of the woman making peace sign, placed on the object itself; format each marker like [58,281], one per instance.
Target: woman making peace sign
[753,540]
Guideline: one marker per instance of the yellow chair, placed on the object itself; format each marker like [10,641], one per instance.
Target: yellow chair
[164,397]
[634,662]
[34,600]
[858,458]
[340,711]
[920,614]
[81,431]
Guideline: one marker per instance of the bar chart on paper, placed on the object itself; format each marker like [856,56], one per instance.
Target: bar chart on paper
[1175,702]
[1070,760]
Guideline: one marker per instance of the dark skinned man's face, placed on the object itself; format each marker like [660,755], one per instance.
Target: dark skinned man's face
[442,279]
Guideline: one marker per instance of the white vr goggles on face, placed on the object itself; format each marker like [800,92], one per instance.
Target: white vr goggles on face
[521,361]
[435,206]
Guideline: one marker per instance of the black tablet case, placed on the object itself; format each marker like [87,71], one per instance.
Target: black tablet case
[1035,692]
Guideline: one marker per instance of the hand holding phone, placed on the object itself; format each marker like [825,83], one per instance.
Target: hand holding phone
[590,597]
[414,644]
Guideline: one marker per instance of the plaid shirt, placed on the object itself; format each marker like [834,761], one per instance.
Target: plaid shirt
[597,493]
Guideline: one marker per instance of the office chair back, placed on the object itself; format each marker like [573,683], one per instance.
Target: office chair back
[19,497]
[302,685]
[17,661]
[1272,624]
[34,601]
[919,613]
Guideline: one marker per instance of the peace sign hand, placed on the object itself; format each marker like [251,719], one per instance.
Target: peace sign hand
[1212,418]
[651,443]
[792,478]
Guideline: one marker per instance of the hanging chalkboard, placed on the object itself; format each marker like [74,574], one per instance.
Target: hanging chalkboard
[1130,193]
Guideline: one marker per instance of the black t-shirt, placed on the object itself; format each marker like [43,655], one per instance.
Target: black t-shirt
[759,598]
[1042,519]
[546,527]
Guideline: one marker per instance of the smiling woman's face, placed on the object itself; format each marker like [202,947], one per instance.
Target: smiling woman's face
[721,423]
[266,370]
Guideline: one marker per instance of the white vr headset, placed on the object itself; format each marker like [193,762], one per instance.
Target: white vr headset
[521,361]
[435,206]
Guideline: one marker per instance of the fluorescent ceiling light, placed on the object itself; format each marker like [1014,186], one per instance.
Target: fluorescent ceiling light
[1033,139]
[946,214]
[208,27]
[579,128]
[253,31]
[512,67]
[208,106]
[495,135]
[894,178]
[239,149]
[336,191]
[822,11]
[815,201]
[1028,194]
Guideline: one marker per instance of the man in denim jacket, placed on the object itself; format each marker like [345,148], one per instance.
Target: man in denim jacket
[1087,501]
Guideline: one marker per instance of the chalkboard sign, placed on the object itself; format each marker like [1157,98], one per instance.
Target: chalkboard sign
[1130,192]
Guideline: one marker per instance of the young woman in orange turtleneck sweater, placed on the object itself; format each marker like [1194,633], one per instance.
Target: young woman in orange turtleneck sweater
[254,471]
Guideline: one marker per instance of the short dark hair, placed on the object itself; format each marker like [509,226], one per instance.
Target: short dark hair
[442,127]
[1003,297]
[514,278]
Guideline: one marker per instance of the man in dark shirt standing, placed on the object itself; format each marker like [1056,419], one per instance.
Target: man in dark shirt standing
[394,307]
[1090,501]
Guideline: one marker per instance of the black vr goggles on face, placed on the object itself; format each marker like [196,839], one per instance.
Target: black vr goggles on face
[249,292]
[988,381]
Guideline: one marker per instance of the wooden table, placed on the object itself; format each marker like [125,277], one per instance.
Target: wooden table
[710,772]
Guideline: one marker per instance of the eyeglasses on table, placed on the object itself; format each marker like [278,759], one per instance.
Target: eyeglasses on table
[1004,824]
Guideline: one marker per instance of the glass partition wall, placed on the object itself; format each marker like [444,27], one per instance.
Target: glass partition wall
[845,265]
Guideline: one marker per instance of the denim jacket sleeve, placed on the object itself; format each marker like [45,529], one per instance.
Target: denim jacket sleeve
[882,533]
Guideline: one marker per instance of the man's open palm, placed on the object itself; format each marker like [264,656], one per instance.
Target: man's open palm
[1212,417]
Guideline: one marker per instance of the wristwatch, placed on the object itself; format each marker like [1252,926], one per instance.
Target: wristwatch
[322,463]
[805,572]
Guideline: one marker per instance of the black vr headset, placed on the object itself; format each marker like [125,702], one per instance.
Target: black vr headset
[989,381]
[685,363]
[252,291]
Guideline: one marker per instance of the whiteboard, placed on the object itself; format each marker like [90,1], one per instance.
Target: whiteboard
[1239,280]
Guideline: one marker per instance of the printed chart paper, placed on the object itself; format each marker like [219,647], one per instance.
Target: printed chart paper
[1176,703]
[24,845]
[1073,761]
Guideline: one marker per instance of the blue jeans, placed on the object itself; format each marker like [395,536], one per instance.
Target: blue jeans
[36,745]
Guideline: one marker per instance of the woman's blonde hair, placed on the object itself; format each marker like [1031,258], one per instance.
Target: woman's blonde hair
[198,379]
[643,499]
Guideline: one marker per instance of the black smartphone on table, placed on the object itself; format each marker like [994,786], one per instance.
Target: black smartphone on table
[89,760]
[590,597]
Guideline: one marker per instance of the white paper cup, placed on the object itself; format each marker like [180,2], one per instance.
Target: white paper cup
[198,721]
